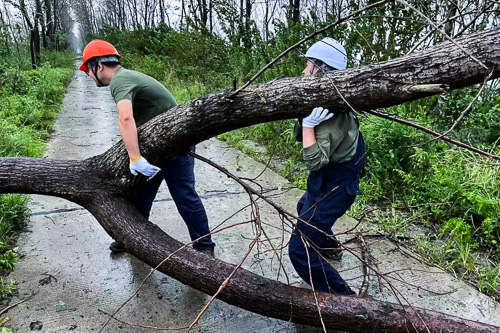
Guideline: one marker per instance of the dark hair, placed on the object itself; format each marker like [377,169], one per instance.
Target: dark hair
[112,64]
[323,66]
[94,63]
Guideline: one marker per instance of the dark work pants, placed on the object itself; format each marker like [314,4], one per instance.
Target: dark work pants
[320,211]
[330,192]
[179,176]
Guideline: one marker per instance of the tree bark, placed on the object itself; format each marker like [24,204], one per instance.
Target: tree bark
[103,186]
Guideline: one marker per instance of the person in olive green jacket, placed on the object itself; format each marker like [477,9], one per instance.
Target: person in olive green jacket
[334,154]
[139,98]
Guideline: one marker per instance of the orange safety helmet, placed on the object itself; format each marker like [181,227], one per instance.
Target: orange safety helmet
[97,48]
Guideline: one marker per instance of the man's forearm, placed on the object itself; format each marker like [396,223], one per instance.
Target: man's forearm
[128,131]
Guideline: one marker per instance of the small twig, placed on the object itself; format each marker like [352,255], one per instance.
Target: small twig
[415,256]
[365,214]
[304,242]
[142,326]
[17,303]
[485,10]
[161,263]
[430,32]
[419,287]
[366,272]
[247,188]
[226,281]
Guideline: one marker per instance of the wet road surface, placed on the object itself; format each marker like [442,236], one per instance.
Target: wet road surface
[66,261]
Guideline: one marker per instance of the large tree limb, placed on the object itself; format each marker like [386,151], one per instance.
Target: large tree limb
[103,186]
[374,86]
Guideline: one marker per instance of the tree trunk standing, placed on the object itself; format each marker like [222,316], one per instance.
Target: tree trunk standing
[337,6]
[247,36]
[135,12]
[49,22]
[32,49]
[211,18]
[118,14]
[296,11]
[162,12]
[124,23]
[202,5]
[92,17]
[240,24]
[102,184]
[4,32]
[266,22]
[34,39]
[183,13]
[452,11]
[40,22]
[145,13]
[55,22]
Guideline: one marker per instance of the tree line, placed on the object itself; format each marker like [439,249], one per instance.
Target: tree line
[380,34]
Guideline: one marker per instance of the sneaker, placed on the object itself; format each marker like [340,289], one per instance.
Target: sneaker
[334,254]
[116,247]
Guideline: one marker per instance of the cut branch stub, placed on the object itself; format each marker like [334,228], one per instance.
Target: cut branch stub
[429,88]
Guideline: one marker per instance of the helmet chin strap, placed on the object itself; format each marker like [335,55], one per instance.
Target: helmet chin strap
[94,71]
[311,70]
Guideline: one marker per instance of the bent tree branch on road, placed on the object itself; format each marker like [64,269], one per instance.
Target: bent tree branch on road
[103,185]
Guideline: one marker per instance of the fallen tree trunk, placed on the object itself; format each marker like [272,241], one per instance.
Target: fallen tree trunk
[103,186]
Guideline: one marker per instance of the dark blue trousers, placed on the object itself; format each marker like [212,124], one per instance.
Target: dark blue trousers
[330,192]
[179,176]
[321,213]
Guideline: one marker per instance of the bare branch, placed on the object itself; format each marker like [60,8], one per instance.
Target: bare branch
[317,32]
[440,136]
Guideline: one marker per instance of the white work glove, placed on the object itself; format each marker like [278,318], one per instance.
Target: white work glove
[142,166]
[317,116]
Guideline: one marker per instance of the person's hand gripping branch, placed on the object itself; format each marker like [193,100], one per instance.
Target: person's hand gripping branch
[317,116]
[142,166]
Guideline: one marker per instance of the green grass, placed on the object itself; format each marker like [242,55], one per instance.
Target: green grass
[31,100]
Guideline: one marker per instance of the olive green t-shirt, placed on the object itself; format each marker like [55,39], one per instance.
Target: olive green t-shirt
[149,97]
[336,141]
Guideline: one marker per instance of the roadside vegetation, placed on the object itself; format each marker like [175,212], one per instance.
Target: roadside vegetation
[439,200]
[30,101]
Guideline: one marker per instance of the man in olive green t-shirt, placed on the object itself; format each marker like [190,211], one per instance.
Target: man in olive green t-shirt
[139,98]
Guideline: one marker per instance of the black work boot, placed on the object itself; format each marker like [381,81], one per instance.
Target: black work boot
[116,247]
[333,253]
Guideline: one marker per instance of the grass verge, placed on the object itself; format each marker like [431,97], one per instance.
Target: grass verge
[31,100]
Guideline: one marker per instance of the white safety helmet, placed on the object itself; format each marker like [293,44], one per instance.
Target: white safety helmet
[329,51]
